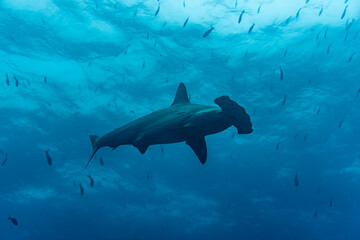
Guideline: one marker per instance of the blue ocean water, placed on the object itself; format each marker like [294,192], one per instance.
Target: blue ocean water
[71,68]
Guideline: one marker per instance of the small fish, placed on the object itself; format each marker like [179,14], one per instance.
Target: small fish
[351,57]
[296,180]
[81,190]
[101,161]
[288,20]
[346,36]
[45,80]
[148,174]
[143,65]
[326,31]
[184,3]
[346,1]
[135,13]
[298,13]
[307,1]
[241,15]
[186,21]
[91,181]
[251,28]
[321,10]
[7,80]
[162,148]
[13,220]
[331,202]
[286,51]
[341,121]
[164,25]
[348,26]
[5,160]
[258,11]
[208,32]
[48,158]
[157,11]
[318,36]
[318,111]
[328,49]
[315,214]
[16,81]
[284,101]
[343,15]
[236,3]
[281,74]
[277,146]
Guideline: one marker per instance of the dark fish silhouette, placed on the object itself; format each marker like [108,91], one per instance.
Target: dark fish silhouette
[162,148]
[236,3]
[321,10]
[186,21]
[208,32]
[296,180]
[286,51]
[91,181]
[251,28]
[307,1]
[326,31]
[284,101]
[48,158]
[135,13]
[241,15]
[101,161]
[298,13]
[281,74]
[16,81]
[45,80]
[318,36]
[258,11]
[277,146]
[341,121]
[13,220]
[343,15]
[7,80]
[184,3]
[348,26]
[5,160]
[328,49]
[331,202]
[143,65]
[351,57]
[164,24]
[315,214]
[81,190]
[346,36]
[157,11]
[148,174]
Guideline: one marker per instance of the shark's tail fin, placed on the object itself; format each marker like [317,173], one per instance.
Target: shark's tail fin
[236,112]
[93,139]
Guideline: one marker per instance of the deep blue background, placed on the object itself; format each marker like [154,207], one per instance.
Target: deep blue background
[110,62]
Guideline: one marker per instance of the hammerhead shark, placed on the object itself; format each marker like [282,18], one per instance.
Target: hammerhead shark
[181,122]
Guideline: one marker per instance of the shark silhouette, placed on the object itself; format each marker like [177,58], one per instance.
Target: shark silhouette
[181,122]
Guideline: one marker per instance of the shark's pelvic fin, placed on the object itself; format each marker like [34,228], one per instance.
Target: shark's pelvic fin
[181,96]
[142,147]
[198,145]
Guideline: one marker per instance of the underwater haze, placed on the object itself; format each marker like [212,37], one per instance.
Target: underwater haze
[74,68]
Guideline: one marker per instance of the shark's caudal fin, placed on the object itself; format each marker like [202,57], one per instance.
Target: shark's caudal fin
[181,96]
[93,140]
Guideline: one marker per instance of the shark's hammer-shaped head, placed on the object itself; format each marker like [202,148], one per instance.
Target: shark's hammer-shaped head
[231,109]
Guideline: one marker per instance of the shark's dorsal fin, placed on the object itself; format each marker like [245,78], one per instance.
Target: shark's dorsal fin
[181,97]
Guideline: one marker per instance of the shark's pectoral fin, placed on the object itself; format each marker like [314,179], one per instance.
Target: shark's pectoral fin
[198,145]
[142,147]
